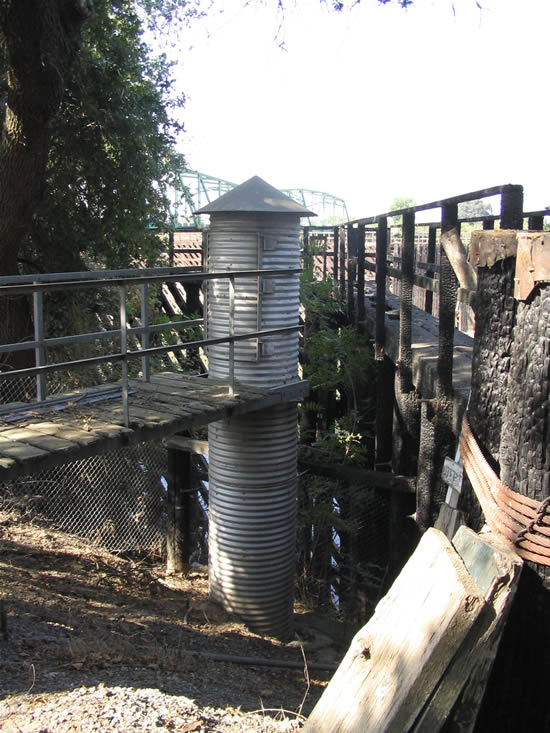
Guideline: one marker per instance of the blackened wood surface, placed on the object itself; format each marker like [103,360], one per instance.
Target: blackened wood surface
[495,314]
[524,448]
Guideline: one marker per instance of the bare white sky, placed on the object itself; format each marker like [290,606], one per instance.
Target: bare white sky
[374,102]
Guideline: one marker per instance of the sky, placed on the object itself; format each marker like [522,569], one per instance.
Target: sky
[373,102]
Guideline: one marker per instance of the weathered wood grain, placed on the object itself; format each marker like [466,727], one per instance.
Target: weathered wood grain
[396,660]
[496,568]
[77,425]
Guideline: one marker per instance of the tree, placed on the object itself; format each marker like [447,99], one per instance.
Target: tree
[471,209]
[398,203]
[113,154]
[39,43]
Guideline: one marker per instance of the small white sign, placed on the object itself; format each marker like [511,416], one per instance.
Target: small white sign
[452,473]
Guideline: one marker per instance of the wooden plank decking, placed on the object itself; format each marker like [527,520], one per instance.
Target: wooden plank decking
[38,436]
[425,348]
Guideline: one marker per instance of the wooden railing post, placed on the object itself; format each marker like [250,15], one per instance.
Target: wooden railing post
[343,244]
[405,322]
[336,253]
[447,309]
[385,371]
[436,422]
[430,257]
[361,277]
[178,511]
[352,266]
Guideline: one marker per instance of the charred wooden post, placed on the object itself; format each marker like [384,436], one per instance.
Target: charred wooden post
[336,254]
[352,267]
[406,420]
[512,428]
[536,221]
[525,467]
[436,427]
[178,534]
[406,428]
[429,296]
[171,248]
[385,372]
[360,243]
[495,314]
[342,243]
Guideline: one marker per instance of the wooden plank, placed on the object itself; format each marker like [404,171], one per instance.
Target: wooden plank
[72,434]
[189,445]
[496,569]
[163,393]
[206,384]
[167,404]
[20,451]
[48,443]
[7,463]
[98,424]
[396,660]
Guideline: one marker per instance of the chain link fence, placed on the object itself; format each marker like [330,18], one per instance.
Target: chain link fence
[116,500]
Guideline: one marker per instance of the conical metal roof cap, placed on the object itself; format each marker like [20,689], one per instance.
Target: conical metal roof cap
[255,196]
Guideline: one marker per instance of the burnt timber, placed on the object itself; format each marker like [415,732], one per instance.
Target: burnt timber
[37,436]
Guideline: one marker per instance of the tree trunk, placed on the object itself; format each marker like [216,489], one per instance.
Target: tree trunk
[41,41]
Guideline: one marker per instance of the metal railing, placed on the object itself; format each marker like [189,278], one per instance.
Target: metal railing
[36,285]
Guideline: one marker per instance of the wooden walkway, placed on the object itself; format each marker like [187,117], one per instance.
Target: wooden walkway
[91,421]
[425,347]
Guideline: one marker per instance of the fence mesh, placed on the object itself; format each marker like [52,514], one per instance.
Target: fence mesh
[116,500]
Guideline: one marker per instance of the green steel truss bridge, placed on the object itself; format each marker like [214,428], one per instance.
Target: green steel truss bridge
[197,189]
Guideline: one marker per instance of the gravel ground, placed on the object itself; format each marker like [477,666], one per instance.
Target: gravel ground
[100,642]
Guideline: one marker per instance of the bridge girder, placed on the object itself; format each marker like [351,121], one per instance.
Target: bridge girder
[197,189]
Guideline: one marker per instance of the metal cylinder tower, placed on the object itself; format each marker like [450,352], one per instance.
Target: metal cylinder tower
[252,458]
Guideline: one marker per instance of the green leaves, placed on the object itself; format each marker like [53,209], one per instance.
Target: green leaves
[113,152]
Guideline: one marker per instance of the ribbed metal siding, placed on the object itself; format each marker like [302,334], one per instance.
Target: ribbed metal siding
[252,459]
[252,517]
[238,242]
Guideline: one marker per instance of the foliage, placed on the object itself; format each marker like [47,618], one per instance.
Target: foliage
[112,154]
[398,203]
[470,209]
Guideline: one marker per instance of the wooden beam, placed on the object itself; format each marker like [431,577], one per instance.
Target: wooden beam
[396,660]
[354,474]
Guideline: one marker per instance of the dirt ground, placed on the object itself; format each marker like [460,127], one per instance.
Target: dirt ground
[81,620]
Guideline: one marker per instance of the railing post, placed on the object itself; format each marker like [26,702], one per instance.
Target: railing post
[39,351]
[307,254]
[436,425]
[342,244]
[384,368]
[381,270]
[352,262]
[123,351]
[536,222]
[335,257]
[405,318]
[447,309]
[511,207]
[361,277]
[145,340]
[231,285]
[171,248]
[429,296]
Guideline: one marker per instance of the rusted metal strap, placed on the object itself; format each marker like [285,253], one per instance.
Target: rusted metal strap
[524,522]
